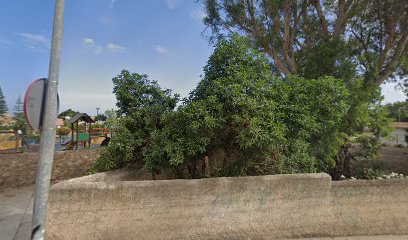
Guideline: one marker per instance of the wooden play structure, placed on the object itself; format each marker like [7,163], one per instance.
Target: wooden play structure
[83,137]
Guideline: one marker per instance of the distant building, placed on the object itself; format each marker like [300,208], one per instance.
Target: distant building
[6,120]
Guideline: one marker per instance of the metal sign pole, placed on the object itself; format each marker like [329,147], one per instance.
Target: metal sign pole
[47,141]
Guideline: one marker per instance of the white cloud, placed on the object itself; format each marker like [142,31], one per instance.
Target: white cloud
[160,49]
[115,48]
[112,3]
[98,49]
[88,41]
[34,41]
[198,14]
[171,4]
[91,45]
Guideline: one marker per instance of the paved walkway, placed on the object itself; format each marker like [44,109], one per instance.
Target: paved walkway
[15,213]
[16,210]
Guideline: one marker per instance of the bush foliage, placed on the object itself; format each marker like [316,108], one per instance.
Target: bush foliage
[262,123]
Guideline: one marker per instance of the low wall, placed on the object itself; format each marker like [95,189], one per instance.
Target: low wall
[8,140]
[263,207]
[18,169]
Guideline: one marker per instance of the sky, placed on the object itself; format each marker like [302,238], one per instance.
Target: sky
[160,38]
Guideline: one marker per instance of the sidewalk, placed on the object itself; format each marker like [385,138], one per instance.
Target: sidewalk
[15,213]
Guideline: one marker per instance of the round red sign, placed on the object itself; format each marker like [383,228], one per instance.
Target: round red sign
[34,102]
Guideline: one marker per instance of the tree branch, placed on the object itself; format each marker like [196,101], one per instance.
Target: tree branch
[387,48]
[390,67]
[286,36]
[343,12]
[269,49]
[277,60]
[322,18]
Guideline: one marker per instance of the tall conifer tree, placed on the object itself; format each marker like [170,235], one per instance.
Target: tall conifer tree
[3,104]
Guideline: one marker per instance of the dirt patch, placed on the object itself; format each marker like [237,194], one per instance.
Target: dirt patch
[394,159]
[391,159]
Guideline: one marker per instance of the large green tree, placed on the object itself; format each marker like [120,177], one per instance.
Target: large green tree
[262,123]
[19,119]
[362,42]
[312,38]
[398,111]
[143,104]
[100,117]
[111,119]
[67,113]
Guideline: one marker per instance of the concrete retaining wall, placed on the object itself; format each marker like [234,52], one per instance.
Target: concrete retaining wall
[264,207]
[18,169]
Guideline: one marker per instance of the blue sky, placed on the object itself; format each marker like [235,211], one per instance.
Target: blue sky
[161,38]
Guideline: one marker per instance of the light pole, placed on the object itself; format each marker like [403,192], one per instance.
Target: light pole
[19,133]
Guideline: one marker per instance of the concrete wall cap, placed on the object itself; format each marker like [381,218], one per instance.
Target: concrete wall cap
[86,181]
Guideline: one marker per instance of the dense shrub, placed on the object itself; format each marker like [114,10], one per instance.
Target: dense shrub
[264,124]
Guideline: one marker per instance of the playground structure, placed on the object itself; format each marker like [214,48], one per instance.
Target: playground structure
[87,135]
[83,134]
[83,137]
